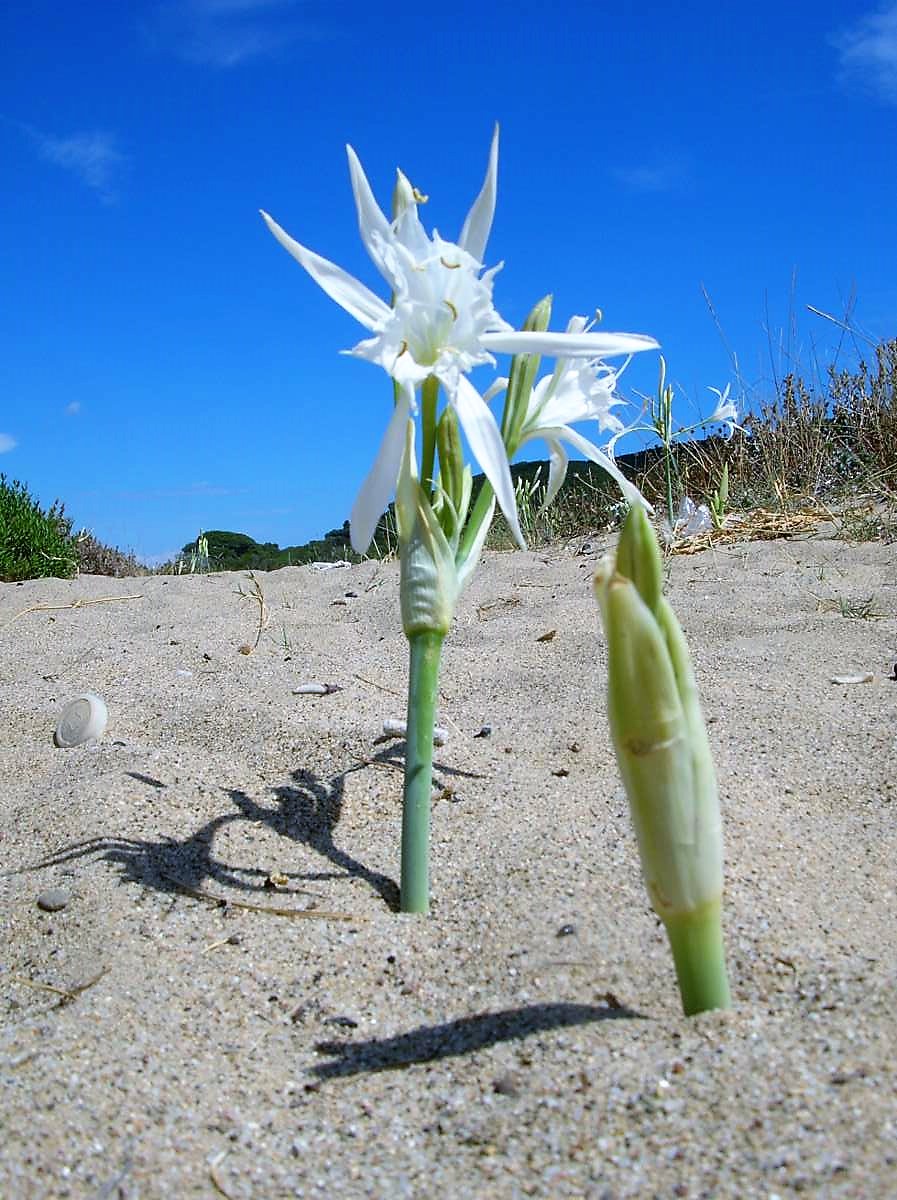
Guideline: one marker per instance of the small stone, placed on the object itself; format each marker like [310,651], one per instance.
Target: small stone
[485,731]
[566,931]
[54,899]
[506,1085]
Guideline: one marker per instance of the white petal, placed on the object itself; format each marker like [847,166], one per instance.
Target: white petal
[359,301]
[374,495]
[478,225]
[494,388]
[568,345]
[370,217]
[485,441]
[591,451]
[557,469]
[407,487]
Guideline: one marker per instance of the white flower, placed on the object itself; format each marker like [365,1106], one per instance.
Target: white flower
[726,411]
[578,390]
[441,322]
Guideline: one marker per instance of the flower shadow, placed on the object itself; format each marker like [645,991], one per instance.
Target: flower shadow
[305,811]
[464,1035]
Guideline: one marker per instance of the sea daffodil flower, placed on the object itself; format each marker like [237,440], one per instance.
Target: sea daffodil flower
[664,758]
[726,411]
[579,389]
[440,322]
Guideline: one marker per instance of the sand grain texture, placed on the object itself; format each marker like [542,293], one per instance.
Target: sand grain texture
[227,1051]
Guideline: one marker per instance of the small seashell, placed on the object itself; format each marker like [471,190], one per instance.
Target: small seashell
[316,689]
[394,728]
[868,677]
[83,719]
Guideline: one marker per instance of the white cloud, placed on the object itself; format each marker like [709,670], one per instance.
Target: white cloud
[868,52]
[73,408]
[92,157]
[663,173]
[7,443]
[223,33]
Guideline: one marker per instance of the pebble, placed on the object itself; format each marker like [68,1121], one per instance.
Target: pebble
[506,1085]
[566,931]
[54,899]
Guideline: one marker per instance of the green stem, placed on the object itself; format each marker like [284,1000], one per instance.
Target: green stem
[696,939]
[668,468]
[426,649]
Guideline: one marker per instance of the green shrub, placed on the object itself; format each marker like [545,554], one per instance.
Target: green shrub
[33,544]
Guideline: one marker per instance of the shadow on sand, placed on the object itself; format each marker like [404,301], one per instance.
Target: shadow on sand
[306,811]
[462,1036]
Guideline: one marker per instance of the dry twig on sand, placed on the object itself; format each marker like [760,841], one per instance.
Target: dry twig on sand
[81,602]
[226,902]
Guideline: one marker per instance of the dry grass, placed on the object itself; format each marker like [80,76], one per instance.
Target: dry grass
[809,448]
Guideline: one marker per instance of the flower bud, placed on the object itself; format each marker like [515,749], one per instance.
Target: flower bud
[664,759]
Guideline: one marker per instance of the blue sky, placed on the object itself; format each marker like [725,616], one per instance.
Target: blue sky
[166,367]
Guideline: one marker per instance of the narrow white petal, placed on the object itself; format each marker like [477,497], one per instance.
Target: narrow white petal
[374,495]
[370,217]
[568,345]
[358,300]
[494,388]
[557,469]
[485,441]
[478,225]
[590,450]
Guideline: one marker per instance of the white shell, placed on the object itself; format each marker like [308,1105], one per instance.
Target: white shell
[83,719]
[394,728]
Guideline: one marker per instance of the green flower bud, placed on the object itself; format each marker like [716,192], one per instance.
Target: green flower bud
[451,468]
[522,377]
[664,759]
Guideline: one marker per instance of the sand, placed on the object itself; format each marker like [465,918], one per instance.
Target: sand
[526,1038]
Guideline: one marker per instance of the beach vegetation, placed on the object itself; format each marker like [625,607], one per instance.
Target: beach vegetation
[35,542]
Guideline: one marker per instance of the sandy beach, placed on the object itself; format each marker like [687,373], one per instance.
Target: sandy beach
[167,1035]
